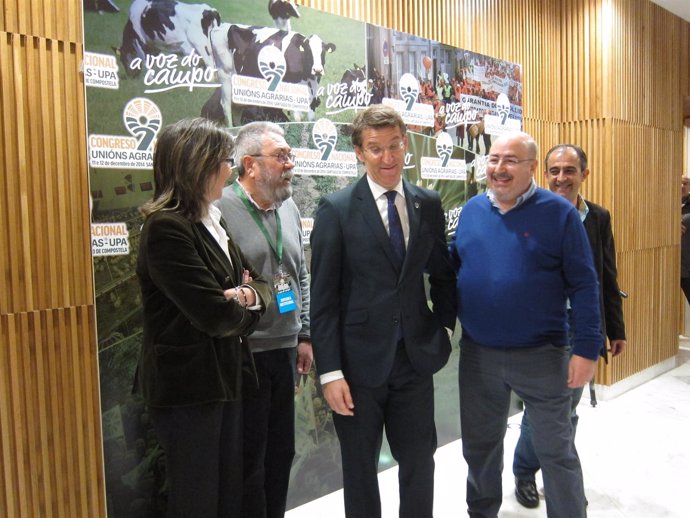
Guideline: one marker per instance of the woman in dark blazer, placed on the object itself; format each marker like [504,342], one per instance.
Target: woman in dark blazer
[200,297]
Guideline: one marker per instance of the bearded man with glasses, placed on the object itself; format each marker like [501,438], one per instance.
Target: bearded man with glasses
[376,342]
[266,223]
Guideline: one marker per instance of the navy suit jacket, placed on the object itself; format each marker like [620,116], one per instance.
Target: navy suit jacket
[360,297]
[598,227]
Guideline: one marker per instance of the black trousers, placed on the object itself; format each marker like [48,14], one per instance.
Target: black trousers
[269,433]
[685,286]
[203,458]
[405,407]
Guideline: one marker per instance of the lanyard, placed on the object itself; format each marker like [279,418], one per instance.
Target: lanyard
[278,248]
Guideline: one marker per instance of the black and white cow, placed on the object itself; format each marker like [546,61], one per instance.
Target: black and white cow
[236,49]
[355,75]
[281,11]
[356,80]
[167,26]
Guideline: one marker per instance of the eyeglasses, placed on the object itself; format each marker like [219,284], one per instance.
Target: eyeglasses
[509,161]
[281,157]
[230,161]
[377,151]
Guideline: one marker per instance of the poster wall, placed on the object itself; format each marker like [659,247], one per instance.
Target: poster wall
[148,63]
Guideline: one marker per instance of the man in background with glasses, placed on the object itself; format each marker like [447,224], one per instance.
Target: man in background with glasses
[565,170]
[265,223]
[523,255]
[685,237]
[376,342]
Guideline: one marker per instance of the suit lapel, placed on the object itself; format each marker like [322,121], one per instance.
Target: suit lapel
[216,255]
[413,213]
[370,213]
[414,208]
[591,223]
[237,266]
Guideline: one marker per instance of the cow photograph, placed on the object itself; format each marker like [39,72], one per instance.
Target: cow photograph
[236,50]
[150,63]
[183,59]
[160,26]
[183,55]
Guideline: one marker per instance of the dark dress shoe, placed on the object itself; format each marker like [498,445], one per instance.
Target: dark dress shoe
[526,493]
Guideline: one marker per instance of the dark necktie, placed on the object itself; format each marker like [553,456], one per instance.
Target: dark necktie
[395,231]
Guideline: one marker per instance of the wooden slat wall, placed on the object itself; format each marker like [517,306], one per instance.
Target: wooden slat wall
[610,76]
[44,188]
[50,440]
[607,74]
[52,19]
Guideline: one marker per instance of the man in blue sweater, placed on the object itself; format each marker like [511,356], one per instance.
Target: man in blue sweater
[522,254]
[565,171]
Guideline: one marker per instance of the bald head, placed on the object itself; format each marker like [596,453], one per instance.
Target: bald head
[519,139]
[511,167]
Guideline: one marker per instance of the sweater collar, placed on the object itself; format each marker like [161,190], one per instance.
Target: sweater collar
[519,201]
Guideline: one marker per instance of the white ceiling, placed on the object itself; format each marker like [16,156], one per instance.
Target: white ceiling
[680,8]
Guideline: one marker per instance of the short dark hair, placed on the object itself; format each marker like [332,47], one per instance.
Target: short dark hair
[187,158]
[376,116]
[581,155]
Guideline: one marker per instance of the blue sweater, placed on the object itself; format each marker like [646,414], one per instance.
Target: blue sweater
[517,270]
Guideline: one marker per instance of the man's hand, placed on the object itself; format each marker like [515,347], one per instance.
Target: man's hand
[580,371]
[337,394]
[617,347]
[305,357]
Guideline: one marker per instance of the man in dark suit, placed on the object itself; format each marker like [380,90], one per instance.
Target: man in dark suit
[376,342]
[565,171]
[685,237]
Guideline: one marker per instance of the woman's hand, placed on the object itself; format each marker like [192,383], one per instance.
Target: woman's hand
[232,293]
[244,296]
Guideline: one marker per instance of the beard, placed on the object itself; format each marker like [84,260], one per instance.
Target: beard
[272,187]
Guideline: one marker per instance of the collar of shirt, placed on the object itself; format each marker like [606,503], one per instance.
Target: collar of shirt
[212,222]
[212,217]
[519,201]
[582,207]
[274,206]
[379,191]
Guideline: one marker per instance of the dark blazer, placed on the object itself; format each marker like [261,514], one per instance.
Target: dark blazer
[192,352]
[359,297]
[685,240]
[598,227]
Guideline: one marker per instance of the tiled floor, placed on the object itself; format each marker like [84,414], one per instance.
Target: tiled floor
[635,452]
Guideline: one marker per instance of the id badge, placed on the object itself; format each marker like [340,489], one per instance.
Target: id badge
[285,296]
